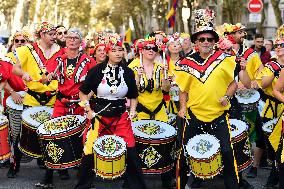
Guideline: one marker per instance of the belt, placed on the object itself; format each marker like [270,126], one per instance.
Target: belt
[42,98]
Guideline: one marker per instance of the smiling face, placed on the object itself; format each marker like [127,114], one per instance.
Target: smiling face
[73,41]
[61,34]
[115,54]
[100,54]
[149,52]
[174,47]
[239,36]
[205,43]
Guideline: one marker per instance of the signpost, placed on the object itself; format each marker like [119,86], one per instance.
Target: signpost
[255,7]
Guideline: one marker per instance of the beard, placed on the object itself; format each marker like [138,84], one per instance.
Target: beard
[61,43]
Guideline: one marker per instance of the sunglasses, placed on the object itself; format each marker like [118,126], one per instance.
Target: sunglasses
[21,40]
[60,33]
[203,39]
[155,49]
[279,45]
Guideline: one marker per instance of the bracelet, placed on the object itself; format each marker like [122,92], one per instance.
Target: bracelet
[228,97]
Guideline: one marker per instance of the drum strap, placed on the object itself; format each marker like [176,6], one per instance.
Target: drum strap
[142,108]
[107,126]
[42,98]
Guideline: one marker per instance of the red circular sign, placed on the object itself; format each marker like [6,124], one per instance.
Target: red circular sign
[255,6]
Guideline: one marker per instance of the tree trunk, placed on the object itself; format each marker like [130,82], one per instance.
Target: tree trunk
[179,10]
[277,12]
[259,25]
[189,5]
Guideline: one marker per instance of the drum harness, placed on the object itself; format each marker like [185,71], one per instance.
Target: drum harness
[152,114]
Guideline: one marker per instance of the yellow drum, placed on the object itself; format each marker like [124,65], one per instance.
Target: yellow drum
[109,156]
[204,156]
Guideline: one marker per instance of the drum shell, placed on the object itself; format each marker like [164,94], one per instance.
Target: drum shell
[109,167]
[241,143]
[206,168]
[164,147]
[70,141]
[29,143]
[5,152]
[249,107]
[15,122]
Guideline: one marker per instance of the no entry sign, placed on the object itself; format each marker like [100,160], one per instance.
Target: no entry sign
[255,6]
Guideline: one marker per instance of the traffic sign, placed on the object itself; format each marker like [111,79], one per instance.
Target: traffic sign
[255,6]
[255,17]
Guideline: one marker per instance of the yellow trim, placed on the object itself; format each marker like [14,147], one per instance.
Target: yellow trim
[29,153]
[6,156]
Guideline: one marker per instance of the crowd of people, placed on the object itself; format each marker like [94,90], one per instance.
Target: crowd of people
[203,80]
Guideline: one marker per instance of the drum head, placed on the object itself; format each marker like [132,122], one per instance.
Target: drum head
[3,120]
[61,124]
[268,126]
[237,127]
[202,146]
[248,96]
[110,146]
[11,104]
[35,116]
[152,129]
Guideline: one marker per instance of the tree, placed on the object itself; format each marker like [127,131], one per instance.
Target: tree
[277,12]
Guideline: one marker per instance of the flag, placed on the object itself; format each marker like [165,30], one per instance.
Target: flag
[171,16]
[127,37]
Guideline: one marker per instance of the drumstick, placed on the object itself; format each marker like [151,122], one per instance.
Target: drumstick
[164,61]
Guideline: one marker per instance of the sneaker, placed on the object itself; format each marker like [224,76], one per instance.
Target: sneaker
[245,185]
[171,183]
[12,172]
[196,183]
[252,172]
[44,185]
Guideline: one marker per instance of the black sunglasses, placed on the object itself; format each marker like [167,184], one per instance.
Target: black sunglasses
[203,39]
[22,41]
[279,45]
[60,33]
[155,49]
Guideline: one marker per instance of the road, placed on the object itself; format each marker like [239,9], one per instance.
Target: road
[30,174]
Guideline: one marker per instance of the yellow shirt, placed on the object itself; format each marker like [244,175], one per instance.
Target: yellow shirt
[206,83]
[151,100]
[268,71]
[31,66]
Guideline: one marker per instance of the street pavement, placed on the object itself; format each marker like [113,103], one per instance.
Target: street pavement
[30,174]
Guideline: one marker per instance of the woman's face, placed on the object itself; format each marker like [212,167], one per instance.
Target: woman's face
[174,47]
[19,41]
[100,54]
[115,54]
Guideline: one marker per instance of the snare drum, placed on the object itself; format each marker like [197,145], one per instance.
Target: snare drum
[4,144]
[204,156]
[109,156]
[155,143]
[15,116]
[61,141]
[32,118]
[248,99]
[241,144]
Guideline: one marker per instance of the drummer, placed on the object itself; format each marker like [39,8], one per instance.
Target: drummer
[70,64]
[31,65]
[151,84]
[207,104]
[111,82]
[273,107]
[13,84]
[276,138]
[99,52]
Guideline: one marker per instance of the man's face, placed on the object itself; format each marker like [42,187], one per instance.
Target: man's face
[186,43]
[239,36]
[258,42]
[61,34]
[48,37]
[205,43]
[73,41]
[268,45]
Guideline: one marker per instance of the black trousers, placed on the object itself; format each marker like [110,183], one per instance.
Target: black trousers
[220,129]
[134,175]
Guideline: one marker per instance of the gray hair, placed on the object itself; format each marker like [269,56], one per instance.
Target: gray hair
[76,31]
